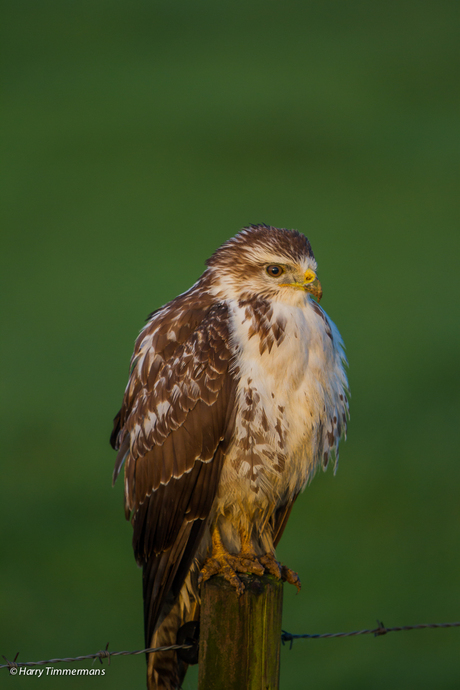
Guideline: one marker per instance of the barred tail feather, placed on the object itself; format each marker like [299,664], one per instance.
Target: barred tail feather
[165,670]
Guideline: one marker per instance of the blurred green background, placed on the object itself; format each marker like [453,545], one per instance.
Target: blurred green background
[137,136]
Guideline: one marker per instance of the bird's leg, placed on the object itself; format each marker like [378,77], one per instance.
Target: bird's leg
[218,564]
[268,563]
[280,571]
[248,561]
[227,565]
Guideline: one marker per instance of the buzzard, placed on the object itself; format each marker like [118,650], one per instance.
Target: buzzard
[237,394]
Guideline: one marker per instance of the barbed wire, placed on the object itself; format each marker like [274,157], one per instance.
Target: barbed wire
[102,654]
[285,637]
[381,630]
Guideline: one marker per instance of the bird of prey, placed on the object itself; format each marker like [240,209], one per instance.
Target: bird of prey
[237,394]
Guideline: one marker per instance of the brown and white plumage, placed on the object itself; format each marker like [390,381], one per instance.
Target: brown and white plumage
[237,394]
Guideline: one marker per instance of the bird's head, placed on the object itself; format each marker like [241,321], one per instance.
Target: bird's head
[268,262]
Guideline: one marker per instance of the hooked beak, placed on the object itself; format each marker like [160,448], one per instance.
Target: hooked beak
[311,284]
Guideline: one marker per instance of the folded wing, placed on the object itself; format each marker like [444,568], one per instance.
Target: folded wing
[172,431]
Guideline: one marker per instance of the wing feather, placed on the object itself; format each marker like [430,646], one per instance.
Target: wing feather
[171,432]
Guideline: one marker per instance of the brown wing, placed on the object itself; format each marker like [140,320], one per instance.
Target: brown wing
[172,430]
[280,519]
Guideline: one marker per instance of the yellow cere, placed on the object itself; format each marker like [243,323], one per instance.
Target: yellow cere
[309,276]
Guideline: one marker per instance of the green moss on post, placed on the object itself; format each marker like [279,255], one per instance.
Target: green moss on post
[240,637]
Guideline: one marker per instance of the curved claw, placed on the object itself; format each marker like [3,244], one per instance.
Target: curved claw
[290,576]
[281,572]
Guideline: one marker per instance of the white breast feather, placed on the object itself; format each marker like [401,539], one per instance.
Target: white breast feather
[301,386]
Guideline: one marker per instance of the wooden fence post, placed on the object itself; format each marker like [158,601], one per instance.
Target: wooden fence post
[240,637]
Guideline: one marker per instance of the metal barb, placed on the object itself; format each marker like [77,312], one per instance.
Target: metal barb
[287,637]
[381,629]
[104,654]
[10,664]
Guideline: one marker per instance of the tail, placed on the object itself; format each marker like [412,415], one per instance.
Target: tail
[166,670]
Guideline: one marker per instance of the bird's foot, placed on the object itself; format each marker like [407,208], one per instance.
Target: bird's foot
[227,566]
[281,572]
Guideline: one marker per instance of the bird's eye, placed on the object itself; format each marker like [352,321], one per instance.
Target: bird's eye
[274,270]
